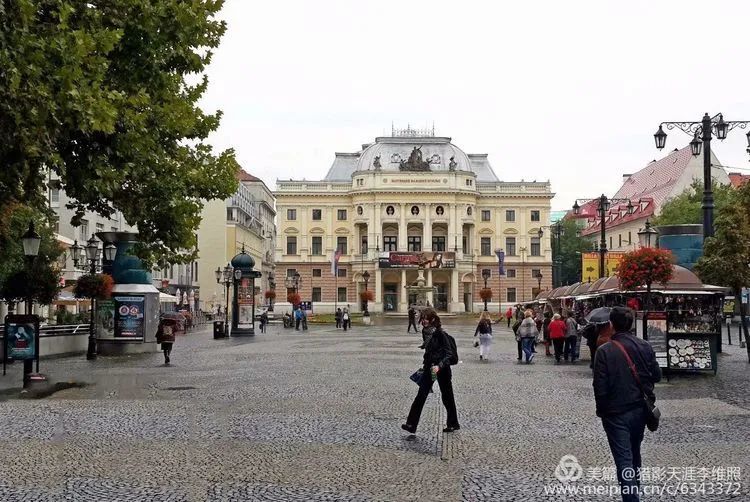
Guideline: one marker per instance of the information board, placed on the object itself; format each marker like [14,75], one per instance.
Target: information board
[656,326]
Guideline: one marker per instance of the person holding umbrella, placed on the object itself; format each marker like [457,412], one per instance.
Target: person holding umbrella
[597,331]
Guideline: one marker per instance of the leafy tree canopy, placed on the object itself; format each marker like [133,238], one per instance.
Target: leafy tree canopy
[18,278]
[103,94]
[685,208]
[571,247]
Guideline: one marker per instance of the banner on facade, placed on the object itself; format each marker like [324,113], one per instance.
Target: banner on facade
[590,266]
[418,259]
[129,317]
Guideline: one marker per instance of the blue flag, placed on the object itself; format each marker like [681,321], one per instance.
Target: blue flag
[501,260]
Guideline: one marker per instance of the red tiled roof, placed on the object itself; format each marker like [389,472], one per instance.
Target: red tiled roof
[242,175]
[738,179]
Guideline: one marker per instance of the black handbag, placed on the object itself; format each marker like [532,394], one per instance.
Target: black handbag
[653,414]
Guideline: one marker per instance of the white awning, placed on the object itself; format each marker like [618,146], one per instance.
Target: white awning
[165,298]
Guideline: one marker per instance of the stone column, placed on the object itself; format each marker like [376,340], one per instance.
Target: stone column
[452,222]
[376,229]
[456,305]
[430,293]
[427,230]
[403,298]
[378,303]
[402,229]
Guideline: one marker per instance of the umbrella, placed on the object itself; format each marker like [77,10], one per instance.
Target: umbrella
[599,315]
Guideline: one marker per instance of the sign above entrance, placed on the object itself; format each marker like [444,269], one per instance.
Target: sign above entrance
[417,259]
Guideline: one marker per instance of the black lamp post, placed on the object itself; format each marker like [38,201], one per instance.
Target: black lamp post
[485,276]
[647,238]
[92,255]
[539,278]
[366,277]
[702,133]
[225,277]
[31,241]
[603,204]
[557,231]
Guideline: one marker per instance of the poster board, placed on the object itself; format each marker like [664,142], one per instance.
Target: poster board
[656,328]
[245,302]
[21,341]
[129,317]
[105,318]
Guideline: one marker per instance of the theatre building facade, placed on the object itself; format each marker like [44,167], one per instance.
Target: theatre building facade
[407,205]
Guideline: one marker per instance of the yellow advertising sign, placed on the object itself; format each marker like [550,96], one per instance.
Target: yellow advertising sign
[590,268]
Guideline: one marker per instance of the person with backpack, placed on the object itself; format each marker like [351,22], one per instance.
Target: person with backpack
[484,330]
[263,321]
[297,317]
[346,320]
[528,333]
[439,354]
[625,371]
[165,335]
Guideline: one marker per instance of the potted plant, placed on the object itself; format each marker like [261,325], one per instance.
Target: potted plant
[94,286]
[294,299]
[366,297]
[486,295]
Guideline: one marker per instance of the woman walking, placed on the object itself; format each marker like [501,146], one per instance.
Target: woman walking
[438,353]
[509,315]
[528,334]
[557,330]
[484,330]
[165,336]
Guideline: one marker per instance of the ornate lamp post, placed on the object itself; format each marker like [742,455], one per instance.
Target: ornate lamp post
[225,277]
[647,236]
[485,276]
[539,278]
[702,133]
[31,241]
[602,210]
[92,254]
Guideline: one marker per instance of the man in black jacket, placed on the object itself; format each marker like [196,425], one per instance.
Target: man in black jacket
[437,355]
[619,400]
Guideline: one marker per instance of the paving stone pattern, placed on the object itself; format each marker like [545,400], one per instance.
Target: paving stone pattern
[308,416]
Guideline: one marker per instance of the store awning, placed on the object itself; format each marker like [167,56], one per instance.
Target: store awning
[165,298]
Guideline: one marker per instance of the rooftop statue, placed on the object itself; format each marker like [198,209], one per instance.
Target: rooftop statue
[415,162]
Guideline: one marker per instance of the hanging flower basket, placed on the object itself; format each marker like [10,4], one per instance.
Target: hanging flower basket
[367,296]
[644,267]
[270,294]
[293,298]
[96,286]
[485,294]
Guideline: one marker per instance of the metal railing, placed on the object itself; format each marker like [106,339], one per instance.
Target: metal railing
[52,330]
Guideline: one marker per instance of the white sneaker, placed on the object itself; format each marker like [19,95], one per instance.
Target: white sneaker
[531,358]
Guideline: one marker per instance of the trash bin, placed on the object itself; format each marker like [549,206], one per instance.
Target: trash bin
[219,330]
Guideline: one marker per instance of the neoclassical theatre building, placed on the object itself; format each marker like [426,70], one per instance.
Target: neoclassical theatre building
[407,202]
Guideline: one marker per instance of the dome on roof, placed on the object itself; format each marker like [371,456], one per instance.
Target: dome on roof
[413,154]
[243,261]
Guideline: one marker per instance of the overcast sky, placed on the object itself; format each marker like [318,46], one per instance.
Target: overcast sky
[567,91]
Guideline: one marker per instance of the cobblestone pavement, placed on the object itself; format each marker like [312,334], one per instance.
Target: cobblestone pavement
[316,416]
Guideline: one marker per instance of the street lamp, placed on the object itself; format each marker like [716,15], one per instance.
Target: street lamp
[647,236]
[485,276]
[30,241]
[603,205]
[225,277]
[539,277]
[366,277]
[702,133]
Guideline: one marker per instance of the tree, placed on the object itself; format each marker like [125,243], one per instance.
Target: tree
[571,247]
[726,255]
[20,279]
[104,96]
[685,208]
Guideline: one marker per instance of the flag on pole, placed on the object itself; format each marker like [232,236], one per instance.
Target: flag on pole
[335,262]
[501,260]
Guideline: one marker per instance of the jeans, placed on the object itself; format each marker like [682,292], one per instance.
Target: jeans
[558,344]
[446,392]
[625,434]
[412,322]
[528,347]
[570,348]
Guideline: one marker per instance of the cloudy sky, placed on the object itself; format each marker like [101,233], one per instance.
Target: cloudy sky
[570,92]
